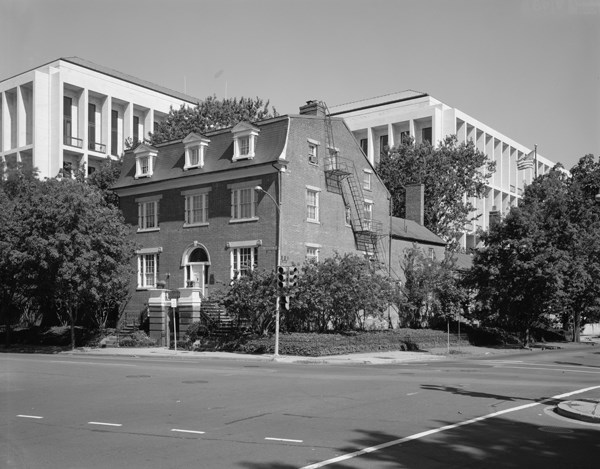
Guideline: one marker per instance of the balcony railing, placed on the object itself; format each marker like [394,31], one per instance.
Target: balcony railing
[73,141]
[95,146]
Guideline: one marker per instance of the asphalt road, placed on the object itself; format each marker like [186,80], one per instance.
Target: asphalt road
[102,412]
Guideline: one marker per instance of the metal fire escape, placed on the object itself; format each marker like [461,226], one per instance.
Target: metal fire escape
[342,178]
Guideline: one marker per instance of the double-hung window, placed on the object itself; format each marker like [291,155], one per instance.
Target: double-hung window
[195,148]
[313,151]
[244,141]
[196,207]
[244,259]
[368,222]
[367,175]
[145,157]
[312,252]
[147,272]
[147,213]
[312,204]
[243,201]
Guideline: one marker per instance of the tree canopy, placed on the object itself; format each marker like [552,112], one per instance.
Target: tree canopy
[64,252]
[210,114]
[449,172]
[541,263]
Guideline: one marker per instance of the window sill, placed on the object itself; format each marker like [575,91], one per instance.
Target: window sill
[243,220]
[144,288]
[147,230]
[316,222]
[193,225]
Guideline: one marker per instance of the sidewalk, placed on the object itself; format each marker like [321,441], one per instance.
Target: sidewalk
[377,358]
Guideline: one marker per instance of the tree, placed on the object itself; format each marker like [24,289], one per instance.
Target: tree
[339,293]
[431,292]
[540,263]
[72,253]
[105,177]
[452,174]
[210,114]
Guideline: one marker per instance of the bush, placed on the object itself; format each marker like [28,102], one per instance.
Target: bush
[137,339]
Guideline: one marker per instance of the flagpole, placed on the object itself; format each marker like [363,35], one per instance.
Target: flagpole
[535,158]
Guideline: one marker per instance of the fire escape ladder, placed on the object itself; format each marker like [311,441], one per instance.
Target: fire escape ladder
[341,177]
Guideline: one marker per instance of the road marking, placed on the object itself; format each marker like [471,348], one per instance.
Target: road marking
[547,369]
[284,439]
[30,416]
[412,393]
[416,436]
[186,431]
[107,424]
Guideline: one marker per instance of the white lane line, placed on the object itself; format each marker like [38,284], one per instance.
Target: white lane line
[416,436]
[107,424]
[284,439]
[186,431]
[547,369]
[30,416]
[412,393]
[77,362]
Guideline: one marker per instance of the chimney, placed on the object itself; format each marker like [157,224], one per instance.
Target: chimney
[415,203]
[313,108]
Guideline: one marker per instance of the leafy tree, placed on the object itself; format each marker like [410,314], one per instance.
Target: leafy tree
[431,292]
[339,293]
[449,173]
[71,250]
[105,177]
[540,263]
[250,300]
[210,114]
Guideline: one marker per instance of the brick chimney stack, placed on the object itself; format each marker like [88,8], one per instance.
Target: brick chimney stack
[313,108]
[415,203]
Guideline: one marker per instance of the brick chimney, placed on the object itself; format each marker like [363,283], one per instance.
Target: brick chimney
[415,203]
[313,108]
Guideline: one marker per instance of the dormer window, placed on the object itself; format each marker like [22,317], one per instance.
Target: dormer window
[244,141]
[145,157]
[195,149]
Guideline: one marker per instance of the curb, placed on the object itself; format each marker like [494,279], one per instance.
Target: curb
[586,410]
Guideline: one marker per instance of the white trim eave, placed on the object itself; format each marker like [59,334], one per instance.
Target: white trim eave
[196,180]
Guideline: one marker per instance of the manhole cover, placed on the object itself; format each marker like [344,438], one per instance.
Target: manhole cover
[555,430]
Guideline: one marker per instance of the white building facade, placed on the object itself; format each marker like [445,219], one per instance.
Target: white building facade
[72,114]
[386,120]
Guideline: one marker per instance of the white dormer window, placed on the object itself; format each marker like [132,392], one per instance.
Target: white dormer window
[244,141]
[195,149]
[145,158]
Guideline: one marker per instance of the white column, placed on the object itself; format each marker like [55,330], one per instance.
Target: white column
[370,146]
[106,117]
[391,142]
[128,122]
[5,124]
[21,119]
[411,129]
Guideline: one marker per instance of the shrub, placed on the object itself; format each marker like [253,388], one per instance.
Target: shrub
[137,339]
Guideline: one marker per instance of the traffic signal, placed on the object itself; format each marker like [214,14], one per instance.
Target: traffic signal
[293,276]
[285,300]
[282,276]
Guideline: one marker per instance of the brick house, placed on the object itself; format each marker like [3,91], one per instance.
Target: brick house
[207,208]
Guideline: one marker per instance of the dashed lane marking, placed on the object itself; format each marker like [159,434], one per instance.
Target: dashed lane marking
[107,424]
[417,436]
[286,440]
[30,416]
[181,430]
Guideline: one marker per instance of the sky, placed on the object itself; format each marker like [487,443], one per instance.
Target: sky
[529,69]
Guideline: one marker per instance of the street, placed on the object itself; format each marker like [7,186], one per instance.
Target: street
[73,411]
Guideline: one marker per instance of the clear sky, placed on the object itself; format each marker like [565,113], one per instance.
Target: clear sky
[527,68]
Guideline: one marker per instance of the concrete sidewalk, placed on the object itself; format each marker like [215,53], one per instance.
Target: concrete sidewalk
[377,358]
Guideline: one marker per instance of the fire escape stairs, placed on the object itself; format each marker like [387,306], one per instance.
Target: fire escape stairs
[341,178]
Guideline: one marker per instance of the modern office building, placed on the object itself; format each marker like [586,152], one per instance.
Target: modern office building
[72,114]
[386,120]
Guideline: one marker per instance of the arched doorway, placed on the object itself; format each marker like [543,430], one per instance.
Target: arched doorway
[196,262]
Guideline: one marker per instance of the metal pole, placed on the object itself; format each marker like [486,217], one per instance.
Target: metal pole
[277,206]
